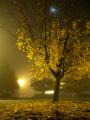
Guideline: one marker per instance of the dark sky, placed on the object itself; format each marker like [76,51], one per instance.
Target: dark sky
[8,49]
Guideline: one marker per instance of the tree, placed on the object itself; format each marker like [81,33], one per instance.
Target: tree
[59,52]
[43,85]
[8,81]
[78,87]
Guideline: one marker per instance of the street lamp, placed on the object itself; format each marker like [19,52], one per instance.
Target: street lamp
[53,10]
[21,82]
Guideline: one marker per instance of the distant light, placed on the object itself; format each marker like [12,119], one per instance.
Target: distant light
[49,92]
[21,82]
[53,9]
[62,83]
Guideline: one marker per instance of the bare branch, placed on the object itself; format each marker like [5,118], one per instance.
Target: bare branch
[61,63]
[70,49]
[53,72]
[65,44]
[71,43]
[69,64]
[70,71]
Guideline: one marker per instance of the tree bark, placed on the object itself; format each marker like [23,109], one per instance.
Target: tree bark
[57,89]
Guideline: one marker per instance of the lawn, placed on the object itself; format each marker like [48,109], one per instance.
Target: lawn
[41,110]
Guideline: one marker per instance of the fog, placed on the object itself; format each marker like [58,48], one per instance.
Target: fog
[17,61]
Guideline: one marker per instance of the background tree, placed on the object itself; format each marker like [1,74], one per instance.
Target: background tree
[59,52]
[8,81]
[78,87]
[43,85]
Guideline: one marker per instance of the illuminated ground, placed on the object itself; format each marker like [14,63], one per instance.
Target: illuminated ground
[22,110]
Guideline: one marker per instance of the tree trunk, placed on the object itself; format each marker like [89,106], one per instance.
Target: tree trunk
[57,90]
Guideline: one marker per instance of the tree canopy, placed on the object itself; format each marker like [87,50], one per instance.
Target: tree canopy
[63,47]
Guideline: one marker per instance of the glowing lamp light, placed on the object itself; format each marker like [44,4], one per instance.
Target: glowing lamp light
[49,92]
[21,82]
[53,9]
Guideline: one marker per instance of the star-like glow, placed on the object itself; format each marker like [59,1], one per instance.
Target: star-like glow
[21,82]
[53,9]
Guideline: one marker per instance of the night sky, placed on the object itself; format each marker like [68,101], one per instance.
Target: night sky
[8,49]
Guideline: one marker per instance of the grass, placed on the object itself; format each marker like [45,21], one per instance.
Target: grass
[44,110]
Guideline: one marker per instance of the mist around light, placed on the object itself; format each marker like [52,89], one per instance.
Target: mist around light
[25,90]
[21,82]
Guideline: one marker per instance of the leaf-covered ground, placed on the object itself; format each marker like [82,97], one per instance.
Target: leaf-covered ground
[45,111]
